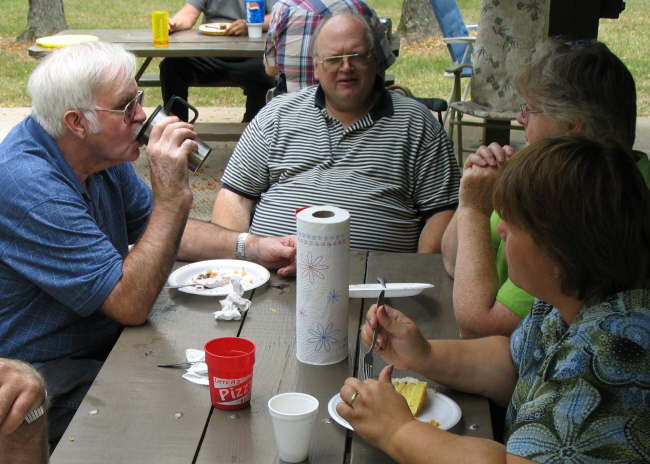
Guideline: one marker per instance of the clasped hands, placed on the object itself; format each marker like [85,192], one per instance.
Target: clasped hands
[480,172]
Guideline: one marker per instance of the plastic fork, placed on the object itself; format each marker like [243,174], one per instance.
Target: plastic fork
[368,359]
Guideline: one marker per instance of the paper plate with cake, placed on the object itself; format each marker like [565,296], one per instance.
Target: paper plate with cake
[426,404]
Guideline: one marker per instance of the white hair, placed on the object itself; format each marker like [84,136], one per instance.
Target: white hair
[69,78]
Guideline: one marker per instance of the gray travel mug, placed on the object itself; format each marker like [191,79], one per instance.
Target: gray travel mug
[203,150]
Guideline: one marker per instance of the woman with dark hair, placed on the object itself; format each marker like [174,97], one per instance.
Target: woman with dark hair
[575,374]
[567,89]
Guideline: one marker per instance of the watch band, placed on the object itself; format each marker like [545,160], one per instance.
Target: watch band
[240,245]
[37,413]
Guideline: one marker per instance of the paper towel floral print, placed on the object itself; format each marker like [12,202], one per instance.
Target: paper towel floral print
[583,394]
[333,296]
[312,268]
[323,338]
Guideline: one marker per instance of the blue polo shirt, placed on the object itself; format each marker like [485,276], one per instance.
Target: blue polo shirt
[62,246]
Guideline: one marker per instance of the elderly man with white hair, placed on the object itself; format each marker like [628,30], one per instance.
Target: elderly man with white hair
[72,206]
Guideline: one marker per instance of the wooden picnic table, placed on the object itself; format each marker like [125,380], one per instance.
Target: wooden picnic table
[187,43]
[138,412]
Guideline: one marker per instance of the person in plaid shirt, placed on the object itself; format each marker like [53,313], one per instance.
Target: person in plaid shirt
[293,22]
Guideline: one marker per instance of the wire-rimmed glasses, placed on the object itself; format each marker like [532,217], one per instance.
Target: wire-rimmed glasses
[129,109]
[525,111]
[334,63]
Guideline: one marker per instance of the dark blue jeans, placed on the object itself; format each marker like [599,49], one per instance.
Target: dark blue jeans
[67,382]
[177,74]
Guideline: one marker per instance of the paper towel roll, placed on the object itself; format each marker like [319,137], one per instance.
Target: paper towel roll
[322,280]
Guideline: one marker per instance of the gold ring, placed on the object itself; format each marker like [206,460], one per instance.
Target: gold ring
[353,397]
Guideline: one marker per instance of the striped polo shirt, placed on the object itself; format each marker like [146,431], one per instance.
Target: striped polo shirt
[392,169]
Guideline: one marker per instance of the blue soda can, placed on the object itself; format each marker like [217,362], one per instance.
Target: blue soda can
[254,11]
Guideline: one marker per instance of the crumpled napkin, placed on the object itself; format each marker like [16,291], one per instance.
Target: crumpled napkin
[198,371]
[233,305]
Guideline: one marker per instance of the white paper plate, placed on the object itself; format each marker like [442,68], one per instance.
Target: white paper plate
[63,40]
[253,274]
[392,290]
[438,407]
[214,28]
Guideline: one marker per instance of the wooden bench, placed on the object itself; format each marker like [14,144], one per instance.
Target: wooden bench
[220,131]
[153,80]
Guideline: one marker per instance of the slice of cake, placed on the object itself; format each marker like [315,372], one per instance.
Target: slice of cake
[414,391]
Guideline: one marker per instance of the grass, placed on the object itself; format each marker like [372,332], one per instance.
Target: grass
[420,65]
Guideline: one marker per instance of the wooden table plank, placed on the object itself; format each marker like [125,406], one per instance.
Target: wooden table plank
[433,314]
[247,435]
[137,402]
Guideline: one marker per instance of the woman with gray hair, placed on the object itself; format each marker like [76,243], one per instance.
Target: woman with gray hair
[568,88]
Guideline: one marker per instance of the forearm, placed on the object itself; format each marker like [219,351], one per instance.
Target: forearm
[417,442]
[460,364]
[449,246]
[184,18]
[147,266]
[475,279]
[27,445]
[206,240]
[432,232]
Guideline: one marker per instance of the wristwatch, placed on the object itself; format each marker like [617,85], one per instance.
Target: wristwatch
[37,413]
[240,245]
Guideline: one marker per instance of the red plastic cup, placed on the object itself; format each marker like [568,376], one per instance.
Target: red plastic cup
[230,363]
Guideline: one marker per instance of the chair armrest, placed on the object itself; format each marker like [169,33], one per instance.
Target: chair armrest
[465,39]
[458,68]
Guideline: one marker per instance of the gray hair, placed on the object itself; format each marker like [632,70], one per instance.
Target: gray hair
[582,82]
[371,36]
[69,78]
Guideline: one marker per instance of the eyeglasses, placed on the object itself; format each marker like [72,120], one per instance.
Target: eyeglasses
[334,63]
[525,111]
[130,108]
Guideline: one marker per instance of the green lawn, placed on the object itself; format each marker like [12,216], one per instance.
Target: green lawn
[420,65]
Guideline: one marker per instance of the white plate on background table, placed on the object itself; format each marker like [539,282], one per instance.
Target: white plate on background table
[392,290]
[252,275]
[438,407]
[214,28]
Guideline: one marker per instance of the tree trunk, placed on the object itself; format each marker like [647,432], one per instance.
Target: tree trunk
[46,17]
[417,21]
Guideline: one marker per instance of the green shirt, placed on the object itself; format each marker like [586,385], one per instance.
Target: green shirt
[514,298]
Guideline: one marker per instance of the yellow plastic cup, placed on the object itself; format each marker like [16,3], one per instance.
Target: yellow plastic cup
[160,28]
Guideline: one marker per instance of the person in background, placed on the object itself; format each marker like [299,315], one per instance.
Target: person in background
[178,74]
[72,206]
[288,42]
[23,405]
[568,89]
[574,374]
[347,142]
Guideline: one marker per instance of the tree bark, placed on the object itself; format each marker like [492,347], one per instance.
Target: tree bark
[45,17]
[417,21]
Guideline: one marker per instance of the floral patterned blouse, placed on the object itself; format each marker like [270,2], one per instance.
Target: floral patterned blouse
[583,394]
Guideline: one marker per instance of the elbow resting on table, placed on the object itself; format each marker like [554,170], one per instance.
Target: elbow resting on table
[491,321]
[449,263]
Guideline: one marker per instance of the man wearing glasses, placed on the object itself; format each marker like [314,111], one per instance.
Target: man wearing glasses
[72,206]
[346,142]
